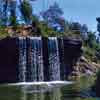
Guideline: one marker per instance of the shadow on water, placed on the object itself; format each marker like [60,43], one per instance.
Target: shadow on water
[76,91]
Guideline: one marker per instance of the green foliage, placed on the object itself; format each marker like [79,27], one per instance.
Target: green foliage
[98,73]
[7,10]
[12,7]
[3,32]
[88,53]
[91,47]
[91,40]
[46,30]
[13,21]
[26,11]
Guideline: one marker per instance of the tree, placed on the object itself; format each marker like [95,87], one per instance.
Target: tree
[98,26]
[7,10]
[84,31]
[92,40]
[53,17]
[26,11]
[1,12]
[12,8]
[5,6]
[75,26]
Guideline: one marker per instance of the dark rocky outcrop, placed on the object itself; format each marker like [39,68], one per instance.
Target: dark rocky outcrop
[8,60]
[72,51]
[45,58]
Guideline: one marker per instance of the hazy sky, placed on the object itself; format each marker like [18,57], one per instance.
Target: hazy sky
[83,11]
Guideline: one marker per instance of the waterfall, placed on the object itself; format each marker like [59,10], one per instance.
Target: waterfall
[31,64]
[30,59]
[22,59]
[35,59]
[54,62]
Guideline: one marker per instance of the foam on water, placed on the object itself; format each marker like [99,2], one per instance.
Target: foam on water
[42,83]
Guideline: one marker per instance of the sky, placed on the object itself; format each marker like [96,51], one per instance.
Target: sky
[83,11]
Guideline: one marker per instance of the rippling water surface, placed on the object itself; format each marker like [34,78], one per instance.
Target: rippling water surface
[77,91]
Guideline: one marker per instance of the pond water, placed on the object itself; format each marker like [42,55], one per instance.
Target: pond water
[77,91]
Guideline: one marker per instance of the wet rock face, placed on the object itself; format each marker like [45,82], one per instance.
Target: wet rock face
[8,60]
[69,52]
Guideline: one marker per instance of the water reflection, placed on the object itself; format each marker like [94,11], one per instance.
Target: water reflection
[76,91]
[23,94]
[32,94]
[56,93]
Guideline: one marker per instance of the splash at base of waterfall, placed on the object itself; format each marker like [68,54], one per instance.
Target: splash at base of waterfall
[50,83]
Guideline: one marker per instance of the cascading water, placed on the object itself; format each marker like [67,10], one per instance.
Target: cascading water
[22,59]
[35,59]
[31,63]
[54,63]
